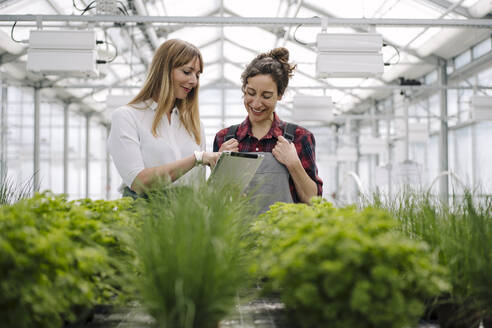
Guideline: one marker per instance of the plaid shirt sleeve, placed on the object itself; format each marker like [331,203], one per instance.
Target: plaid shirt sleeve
[306,150]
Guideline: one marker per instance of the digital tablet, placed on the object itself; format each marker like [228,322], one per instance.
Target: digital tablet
[236,167]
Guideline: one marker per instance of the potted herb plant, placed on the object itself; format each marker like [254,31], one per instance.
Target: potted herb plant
[344,267]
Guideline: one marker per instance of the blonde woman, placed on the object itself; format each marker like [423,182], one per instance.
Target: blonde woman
[158,135]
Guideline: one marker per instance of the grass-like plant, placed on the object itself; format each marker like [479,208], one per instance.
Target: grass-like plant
[462,235]
[418,213]
[467,250]
[11,192]
[191,249]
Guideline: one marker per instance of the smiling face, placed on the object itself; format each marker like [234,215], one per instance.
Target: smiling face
[260,98]
[185,78]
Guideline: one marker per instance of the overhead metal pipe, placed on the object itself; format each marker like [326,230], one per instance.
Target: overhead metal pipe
[324,87]
[285,21]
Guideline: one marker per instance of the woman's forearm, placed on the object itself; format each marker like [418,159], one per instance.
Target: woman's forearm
[171,171]
[306,188]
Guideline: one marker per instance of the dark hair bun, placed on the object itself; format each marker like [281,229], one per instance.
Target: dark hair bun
[281,54]
[274,63]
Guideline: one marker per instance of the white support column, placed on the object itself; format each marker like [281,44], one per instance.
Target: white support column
[407,130]
[108,164]
[3,131]
[373,159]
[36,161]
[443,133]
[337,167]
[221,67]
[87,152]
[474,183]
[65,148]
[357,146]
[389,112]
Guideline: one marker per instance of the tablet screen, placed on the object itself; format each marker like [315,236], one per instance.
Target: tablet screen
[236,167]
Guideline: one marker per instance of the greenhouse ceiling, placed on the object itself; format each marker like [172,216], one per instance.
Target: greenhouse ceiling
[415,34]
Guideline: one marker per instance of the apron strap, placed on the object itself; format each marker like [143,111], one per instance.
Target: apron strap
[231,133]
[289,131]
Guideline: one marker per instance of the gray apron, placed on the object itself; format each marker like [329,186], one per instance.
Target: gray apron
[270,184]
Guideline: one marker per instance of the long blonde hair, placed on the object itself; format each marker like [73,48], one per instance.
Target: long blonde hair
[170,55]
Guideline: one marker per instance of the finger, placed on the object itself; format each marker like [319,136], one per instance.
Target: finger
[282,139]
[275,154]
[226,147]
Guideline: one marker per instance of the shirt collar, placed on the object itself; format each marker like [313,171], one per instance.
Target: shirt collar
[276,130]
[152,105]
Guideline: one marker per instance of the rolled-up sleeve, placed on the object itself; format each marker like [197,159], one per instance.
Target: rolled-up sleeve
[124,146]
[308,160]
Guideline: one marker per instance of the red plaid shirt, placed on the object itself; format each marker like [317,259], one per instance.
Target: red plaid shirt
[303,141]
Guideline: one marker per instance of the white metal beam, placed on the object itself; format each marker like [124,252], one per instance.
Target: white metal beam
[445,4]
[255,21]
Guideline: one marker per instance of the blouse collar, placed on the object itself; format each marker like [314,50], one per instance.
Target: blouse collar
[152,105]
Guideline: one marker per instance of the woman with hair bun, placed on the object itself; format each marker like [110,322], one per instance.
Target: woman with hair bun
[288,172]
[158,135]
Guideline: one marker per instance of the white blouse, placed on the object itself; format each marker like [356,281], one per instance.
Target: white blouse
[134,148]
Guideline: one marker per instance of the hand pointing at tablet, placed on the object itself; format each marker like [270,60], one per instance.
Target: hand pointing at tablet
[210,159]
[231,145]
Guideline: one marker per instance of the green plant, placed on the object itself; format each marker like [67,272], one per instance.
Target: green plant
[344,267]
[191,248]
[10,192]
[462,235]
[467,250]
[57,257]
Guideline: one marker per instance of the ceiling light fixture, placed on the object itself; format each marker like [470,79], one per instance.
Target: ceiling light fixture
[349,55]
[481,108]
[312,109]
[71,53]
